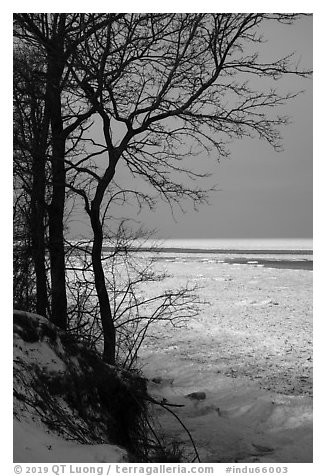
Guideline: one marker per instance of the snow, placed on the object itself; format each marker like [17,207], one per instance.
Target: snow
[250,351]
[32,443]
[235,416]
[248,354]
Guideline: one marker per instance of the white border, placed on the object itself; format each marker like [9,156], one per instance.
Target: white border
[318,9]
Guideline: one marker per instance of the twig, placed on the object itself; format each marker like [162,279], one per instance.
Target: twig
[166,407]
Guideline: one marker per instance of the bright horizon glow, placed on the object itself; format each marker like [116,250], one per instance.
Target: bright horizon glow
[226,244]
[236,243]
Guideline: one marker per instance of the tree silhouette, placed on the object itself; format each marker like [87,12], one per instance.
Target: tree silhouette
[164,87]
[167,86]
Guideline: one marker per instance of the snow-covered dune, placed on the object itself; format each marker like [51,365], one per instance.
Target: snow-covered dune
[69,406]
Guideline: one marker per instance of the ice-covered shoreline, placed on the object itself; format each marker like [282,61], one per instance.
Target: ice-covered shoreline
[249,351]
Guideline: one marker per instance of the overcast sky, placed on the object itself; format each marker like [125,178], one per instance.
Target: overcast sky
[262,193]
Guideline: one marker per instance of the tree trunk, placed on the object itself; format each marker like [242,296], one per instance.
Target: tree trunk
[41,134]
[56,243]
[103,297]
[38,233]
[56,209]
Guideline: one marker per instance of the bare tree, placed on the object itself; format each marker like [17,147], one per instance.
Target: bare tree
[136,309]
[23,269]
[31,140]
[166,87]
[55,37]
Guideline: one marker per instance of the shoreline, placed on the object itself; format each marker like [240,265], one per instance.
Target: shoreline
[241,257]
[301,264]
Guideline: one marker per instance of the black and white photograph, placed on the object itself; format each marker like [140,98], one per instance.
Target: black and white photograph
[162,238]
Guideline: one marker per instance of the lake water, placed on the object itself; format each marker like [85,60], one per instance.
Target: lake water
[289,254]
